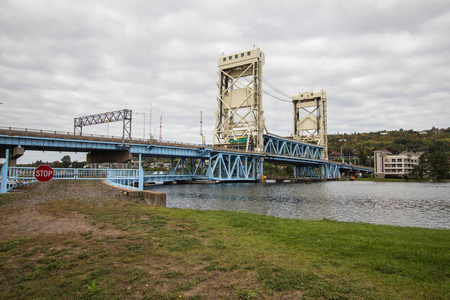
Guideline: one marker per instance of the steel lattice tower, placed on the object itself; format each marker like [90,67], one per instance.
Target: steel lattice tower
[239,117]
[310,118]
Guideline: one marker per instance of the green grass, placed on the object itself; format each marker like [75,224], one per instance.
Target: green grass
[138,251]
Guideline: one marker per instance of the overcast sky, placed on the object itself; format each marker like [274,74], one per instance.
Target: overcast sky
[385,64]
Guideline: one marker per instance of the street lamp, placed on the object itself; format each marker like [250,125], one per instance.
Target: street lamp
[342,155]
[143,135]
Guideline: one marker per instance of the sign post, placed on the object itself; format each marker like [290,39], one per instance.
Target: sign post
[43,173]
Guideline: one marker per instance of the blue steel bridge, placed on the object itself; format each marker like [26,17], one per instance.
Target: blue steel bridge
[239,122]
[189,162]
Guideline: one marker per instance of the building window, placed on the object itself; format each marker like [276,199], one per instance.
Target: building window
[242,54]
[224,59]
[248,53]
[230,57]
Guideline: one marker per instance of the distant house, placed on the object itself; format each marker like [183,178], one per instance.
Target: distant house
[387,164]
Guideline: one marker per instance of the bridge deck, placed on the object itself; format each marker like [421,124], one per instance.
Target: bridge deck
[89,142]
[49,134]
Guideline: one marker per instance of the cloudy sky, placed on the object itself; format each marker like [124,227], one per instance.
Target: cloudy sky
[385,64]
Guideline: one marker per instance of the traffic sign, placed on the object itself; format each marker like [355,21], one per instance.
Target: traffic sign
[43,173]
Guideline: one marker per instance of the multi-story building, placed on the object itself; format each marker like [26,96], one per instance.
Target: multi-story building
[388,165]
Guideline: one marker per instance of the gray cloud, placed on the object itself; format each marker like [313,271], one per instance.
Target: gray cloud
[384,64]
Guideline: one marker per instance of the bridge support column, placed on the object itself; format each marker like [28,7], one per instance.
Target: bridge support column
[14,154]
[4,174]
[259,165]
[323,172]
[141,175]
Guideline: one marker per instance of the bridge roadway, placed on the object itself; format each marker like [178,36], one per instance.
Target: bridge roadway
[196,160]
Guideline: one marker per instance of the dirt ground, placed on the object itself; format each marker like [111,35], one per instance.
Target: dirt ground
[25,218]
[33,213]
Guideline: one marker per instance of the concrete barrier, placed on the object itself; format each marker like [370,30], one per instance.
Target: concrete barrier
[155,198]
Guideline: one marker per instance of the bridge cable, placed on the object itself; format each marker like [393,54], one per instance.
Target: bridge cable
[275,97]
[273,87]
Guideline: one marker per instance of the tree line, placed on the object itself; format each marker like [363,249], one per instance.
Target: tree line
[433,144]
[65,162]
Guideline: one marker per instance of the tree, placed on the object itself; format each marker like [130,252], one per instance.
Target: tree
[363,154]
[65,161]
[439,165]
[76,164]
[290,170]
[421,169]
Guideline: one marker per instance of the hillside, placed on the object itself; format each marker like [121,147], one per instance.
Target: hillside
[362,145]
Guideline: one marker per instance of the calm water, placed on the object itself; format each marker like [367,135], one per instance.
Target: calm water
[397,203]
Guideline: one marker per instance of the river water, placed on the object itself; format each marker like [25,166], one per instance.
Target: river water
[412,204]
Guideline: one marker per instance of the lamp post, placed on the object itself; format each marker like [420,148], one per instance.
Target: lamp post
[342,155]
[143,135]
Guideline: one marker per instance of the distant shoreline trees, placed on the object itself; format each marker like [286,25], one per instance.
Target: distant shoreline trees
[362,145]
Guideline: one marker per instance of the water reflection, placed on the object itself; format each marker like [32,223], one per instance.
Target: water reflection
[393,203]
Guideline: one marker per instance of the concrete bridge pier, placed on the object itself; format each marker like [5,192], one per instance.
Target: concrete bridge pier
[121,156]
[12,155]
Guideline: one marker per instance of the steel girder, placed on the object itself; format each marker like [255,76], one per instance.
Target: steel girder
[75,145]
[124,115]
[194,167]
[332,171]
[280,146]
[324,171]
[235,167]
[308,171]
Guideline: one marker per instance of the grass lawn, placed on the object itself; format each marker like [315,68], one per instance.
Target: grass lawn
[67,239]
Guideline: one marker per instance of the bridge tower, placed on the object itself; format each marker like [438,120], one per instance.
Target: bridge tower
[310,119]
[239,117]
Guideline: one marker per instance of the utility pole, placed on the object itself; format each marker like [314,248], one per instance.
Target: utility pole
[342,155]
[160,129]
[150,128]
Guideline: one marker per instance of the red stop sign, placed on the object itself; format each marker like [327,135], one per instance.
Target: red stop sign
[43,173]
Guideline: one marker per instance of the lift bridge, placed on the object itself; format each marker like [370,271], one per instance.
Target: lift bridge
[241,141]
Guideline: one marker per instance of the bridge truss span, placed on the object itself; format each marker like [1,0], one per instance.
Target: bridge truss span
[286,147]
[229,166]
[124,115]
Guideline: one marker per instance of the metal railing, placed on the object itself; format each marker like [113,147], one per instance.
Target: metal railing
[71,135]
[126,178]
[19,176]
